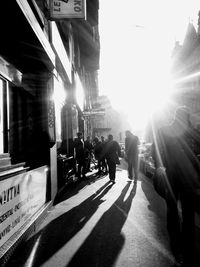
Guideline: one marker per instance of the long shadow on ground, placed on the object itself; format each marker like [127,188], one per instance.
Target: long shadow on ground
[58,232]
[73,188]
[103,245]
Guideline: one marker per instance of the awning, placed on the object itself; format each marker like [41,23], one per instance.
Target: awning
[23,43]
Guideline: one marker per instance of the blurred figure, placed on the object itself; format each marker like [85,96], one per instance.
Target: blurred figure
[131,154]
[113,152]
[177,164]
[98,153]
[88,153]
[103,159]
[80,155]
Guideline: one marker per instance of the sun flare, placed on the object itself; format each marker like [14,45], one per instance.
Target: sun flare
[136,47]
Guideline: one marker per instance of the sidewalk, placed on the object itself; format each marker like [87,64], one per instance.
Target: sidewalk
[95,223]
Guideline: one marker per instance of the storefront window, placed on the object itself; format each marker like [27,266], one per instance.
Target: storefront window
[3,118]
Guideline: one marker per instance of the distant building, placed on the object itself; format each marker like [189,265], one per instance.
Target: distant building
[105,120]
[186,72]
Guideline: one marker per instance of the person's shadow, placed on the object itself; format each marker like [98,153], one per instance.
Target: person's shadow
[106,240]
[59,231]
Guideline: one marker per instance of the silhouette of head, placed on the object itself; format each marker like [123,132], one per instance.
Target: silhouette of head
[79,135]
[128,133]
[110,137]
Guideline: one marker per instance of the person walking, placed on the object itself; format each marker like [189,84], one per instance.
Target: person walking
[98,153]
[177,180]
[131,154]
[113,152]
[103,159]
[80,155]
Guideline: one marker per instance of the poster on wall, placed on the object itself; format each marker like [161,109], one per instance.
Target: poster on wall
[21,196]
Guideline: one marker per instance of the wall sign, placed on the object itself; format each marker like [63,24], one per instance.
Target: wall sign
[20,197]
[62,9]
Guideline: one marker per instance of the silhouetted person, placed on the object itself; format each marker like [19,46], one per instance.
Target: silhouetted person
[98,153]
[176,162]
[131,151]
[113,152]
[103,159]
[80,155]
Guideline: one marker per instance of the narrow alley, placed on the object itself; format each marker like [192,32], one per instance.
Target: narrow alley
[97,223]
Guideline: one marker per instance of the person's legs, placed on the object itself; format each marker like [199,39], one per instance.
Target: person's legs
[104,165]
[83,169]
[99,165]
[79,169]
[174,227]
[88,162]
[111,169]
[136,169]
[130,168]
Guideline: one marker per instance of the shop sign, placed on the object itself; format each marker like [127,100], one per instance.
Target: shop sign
[63,9]
[21,196]
[94,112]
[51,114]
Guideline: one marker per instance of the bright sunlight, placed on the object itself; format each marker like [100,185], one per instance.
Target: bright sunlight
[135,58]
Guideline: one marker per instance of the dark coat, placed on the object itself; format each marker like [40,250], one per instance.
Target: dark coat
[79,149]
[131,146]
[98,150]
[112,151]
[175,153]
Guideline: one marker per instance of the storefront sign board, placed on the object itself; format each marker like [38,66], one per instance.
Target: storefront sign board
[61,9]
[21,196]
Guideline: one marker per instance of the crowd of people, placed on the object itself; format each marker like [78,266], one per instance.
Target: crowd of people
[98,153]
[104,154]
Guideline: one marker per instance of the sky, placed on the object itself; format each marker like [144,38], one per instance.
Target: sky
[137,38]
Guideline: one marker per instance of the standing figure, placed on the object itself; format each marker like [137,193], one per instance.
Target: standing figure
[98,153]
[80,155]
[88,153]
[131,153]
[103,159]
[178,168]
[113,152]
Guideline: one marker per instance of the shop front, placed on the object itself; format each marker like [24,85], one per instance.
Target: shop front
[27,158]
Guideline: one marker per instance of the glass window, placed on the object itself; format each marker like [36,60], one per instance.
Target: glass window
[3,117]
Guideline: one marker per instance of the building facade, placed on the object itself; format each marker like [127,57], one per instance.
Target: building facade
[44,65]
[186,72]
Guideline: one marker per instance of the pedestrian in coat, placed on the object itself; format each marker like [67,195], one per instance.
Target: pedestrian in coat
[98,153]
[80,155]
[113,152]
[178,169]
[103,159]
[131,154]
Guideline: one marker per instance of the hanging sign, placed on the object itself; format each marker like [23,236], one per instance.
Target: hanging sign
[63,9]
